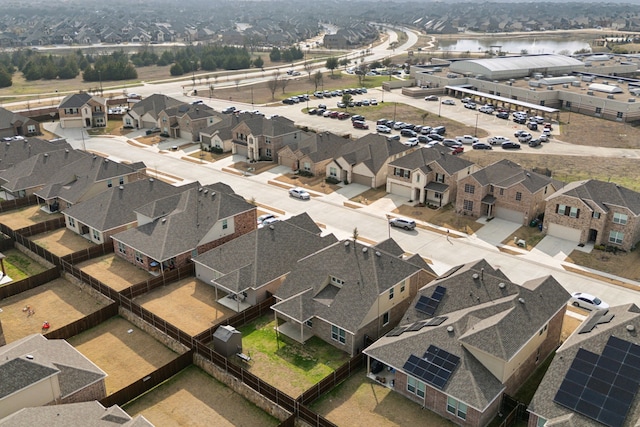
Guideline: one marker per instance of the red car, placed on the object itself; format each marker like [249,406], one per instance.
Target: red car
[360,125]
[334,114]
[456,150]
[343,116]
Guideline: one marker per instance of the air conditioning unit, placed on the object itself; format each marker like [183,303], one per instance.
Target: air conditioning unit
[526,79]
[631,100]
[589,92]
[534,84]
[510,83]
[565,86]
[549,87]
[610,97]
[575,84]
[605,82]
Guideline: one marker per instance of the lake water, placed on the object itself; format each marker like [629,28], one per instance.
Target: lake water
[532,45]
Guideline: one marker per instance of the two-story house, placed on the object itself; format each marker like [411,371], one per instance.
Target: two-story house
[428,175]
[12,124]
[186,120]
[313,152]
[594,211]
[144,114]
[219,135]
[348,294]
[468,337]
[176,228]
[261,138]
[82,110]
[504,190]
[18,150]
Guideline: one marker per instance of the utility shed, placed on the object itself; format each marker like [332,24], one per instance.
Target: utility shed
[227,341]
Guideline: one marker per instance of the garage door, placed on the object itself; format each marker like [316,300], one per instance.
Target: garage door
[361,179]
[509,215]
[563,232]
[400,190]
[71,123]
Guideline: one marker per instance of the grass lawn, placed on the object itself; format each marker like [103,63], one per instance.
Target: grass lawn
[370,196]
[18,266]
[109,129]
[531,235]
[444,217]
[209,156]
[623,264]
[315,183]
[288,365]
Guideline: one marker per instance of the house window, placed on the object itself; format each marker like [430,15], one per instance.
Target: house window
[96,235]
[545,190]
[619,114]
[385,319]
[402,286]
[568,104]
[194,253]
[225,225]
[138,257]
[122,248]
[121,180]
[457,408]
[337,281]
[541,422]
[595,215]
[338,334]
[333,172]
[109,183]
[616,237]
[307,166]
[468,188]
[267,152]
[417,178]
[598,110]
[164,120]
[309,323]
[267,140]
[518,196]
[391,293]
[71,221]
[31,128]
[502,191]
[542,103]
[619,218]
[440,177]
[467,205]
[491,189]
[574,212]
[415,386]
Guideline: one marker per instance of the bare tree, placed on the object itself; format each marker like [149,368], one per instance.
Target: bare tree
[237,82]
[283,83]
[317,78]
[308,67]
[273,84]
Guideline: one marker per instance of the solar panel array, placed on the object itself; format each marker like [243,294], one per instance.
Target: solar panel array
[436,321]
[429,305]
[596,319]
[435,367]
[602,387]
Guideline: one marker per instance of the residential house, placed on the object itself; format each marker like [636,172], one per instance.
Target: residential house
[186,120]
[594,211]
[145,114]
[364,161]
[252,266]
[84,178]
[428,175]
[468,337]
[82,110]
[86,414]
[593,378]
[348,294]
[113,210]
[17,150]
[33,173]
[12,124]
[36,371]
[312,153]
[174,229]
[504,190]
[261,138]
[219,135]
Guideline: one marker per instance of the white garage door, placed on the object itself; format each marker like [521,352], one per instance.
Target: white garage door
[563,232]
[509,215]
[400,190]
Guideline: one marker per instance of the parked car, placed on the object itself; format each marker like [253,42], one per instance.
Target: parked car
[312,111]
[360,125]
[265,217]
[435,137]
[587,301]
[532,126]
[406,223]
[382,122]
[470,105]
[466,100]
[423,139]
[383,129]
[357,118]
[431,98]
[398,125]
[510,145]
[327,113]
[451,143]
[341,105]
[267,221]
[520,132]
[408,132]
[456,150]
[299,193]
[486,109]
[394,138]
[334,114]
[343,115]
[503,115]
[440,130]
[520,120]
[449,102]
[322,106]
[481,146]
[535,142]
[229,110]
[497,140]
[525,137]
[467,139]
[426,130]
[373,101]
[544,137]
[365,102]
[411,142]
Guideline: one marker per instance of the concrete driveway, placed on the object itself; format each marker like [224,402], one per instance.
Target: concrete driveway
[557,248]
[496,230]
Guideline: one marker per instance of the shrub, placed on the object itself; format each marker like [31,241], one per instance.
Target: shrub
[303,172]
[332,180]
[216,150]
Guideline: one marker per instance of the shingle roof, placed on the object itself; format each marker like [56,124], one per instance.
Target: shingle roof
[594,341]
[602,194]
[193,111]
[9,118]
[366,274]
[426,156]
[262,255]
[272,127]
[77,100]
[14,152]
[186,218]
[20,373]
[321,146]
[506,173]
[372,150]
[154,104]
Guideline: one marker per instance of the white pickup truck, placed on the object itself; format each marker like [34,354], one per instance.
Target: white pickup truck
[467,139]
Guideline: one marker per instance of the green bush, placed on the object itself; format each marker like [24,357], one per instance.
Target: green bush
[332,180]
[216,150]
[303,172]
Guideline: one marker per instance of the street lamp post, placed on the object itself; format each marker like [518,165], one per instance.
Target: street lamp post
[439,107]
[476,131]
[395,104]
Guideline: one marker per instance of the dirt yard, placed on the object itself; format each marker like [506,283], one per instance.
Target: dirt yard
[25,217]
[62,242]
[114,271]
[531,235]
[314,183]
[193,398]
[57,302]
[125,357]
[374,404]
[443,217]
[188,304]
[621,264]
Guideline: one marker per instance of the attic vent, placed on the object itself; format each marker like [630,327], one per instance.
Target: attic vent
[46,154]
[95,157]
[502,285]
[121,187]
[271,227]
[365,249]
[449,329]
[151,180]
[475,276]
[521,300]
[346,243]
[29,356]
[8,143]
[200,189]
[206,191]
[106,160]
[164,220]
[631,328]
[66,150]
[528,174]
[378,253]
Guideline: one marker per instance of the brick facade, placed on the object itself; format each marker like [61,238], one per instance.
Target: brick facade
[95,391]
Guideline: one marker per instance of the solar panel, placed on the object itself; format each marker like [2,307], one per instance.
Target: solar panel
[435,367]
[396,331]
[415,327]
[438,293]
[421,305]
[429,305]
[436,321]
[602,387]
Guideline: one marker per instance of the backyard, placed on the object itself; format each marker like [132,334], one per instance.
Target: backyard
[19,266]
[21,218]
[114,271]
[286,364]
[131,355]
[61,242]
[193,398]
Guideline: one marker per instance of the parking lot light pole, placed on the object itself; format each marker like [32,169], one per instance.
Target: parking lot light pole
[476,131]
[388,225]
[439,107]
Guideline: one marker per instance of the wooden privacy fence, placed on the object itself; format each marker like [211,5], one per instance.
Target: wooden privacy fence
[89,253]
[96,284]
[42,227]
[6,244]
[169,276]
[332,380]
[37,249]
[84,324]
[30,282]
[146,383]
[9,205]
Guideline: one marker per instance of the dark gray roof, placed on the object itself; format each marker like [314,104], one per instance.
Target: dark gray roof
[193,111]
[262,255]
[77,100]
[391,247]
[366,274]
[505,173]
[86,414]
[116,206]
[184,221]
[602,194]
[14,152]
[320,146]
[20,373]
[594,341]
[372,150]
[226,123]
[154,104]
[426,156]
[274,126]
[9,118]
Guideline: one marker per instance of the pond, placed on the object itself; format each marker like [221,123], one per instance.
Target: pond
[533,45]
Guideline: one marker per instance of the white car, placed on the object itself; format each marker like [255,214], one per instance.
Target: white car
[495,140]
[587,301]
[406,223]
[411,142]
[467,139]
[268,221]
[263,218]
[449,102]
[383,129]
[299,193]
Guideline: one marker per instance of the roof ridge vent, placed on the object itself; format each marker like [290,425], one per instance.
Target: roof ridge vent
[502,285]
[346,243]
[365,249]
[378,253]
[450,329]
[521,300]
[151,179]
[631,328]
[121,187]
[475,276]
[164,220]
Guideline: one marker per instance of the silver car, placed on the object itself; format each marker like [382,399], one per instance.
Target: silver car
[406,223]
[299,193]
